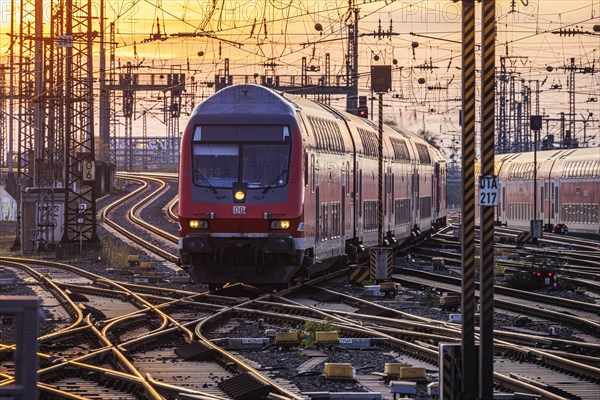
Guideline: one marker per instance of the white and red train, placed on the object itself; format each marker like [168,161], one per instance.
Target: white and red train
[568,192]
[274,186]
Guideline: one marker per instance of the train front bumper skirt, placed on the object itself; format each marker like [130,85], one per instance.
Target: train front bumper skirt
[268,259]
[204,243]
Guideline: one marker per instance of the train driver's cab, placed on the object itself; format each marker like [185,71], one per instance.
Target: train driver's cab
[240,163]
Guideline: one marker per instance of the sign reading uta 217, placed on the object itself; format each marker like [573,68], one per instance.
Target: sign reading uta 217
[488,191]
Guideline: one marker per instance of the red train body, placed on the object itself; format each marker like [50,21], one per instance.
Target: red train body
[568,190]
[273,186]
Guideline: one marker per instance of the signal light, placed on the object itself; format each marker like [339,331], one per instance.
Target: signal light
[239,192]
[198,224]
[539,274]
[239,195]
[280,224]
[363,111]
[550,274]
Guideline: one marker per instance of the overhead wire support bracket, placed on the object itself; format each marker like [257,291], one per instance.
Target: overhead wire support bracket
[207,35]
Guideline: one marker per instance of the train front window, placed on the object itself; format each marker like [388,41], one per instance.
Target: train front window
[261,166]
[265,165]
[215,164]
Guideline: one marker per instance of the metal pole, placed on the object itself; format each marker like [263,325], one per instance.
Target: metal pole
[536,133]
[486,265]
[468,356]
[104,122]
[38,118]
[380,181]
[11,93]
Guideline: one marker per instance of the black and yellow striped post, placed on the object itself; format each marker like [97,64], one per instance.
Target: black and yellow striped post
[380,187]
[381,81]
[469,356]
[373,265]
[486,265]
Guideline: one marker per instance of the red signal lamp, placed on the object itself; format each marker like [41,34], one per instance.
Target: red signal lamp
[539,274]
[363,111]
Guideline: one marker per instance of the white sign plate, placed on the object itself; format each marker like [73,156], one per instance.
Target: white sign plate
[89,171]
[488,191]
[239,210]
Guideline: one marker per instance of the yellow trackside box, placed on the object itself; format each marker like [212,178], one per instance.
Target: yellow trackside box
[286,337]
[388,287]
[450,302]
[133,260]
[147,265]
[327,337]
[412,373]
[393,369]
[338,371]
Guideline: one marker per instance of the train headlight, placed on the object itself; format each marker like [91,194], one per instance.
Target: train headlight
[239,196]
[198,224]
[280,224]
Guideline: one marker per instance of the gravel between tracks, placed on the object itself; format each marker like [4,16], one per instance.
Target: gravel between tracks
[284,362]
[155,212]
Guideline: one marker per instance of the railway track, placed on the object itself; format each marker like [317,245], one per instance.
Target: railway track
[511,336]
[135,220]
[161,322]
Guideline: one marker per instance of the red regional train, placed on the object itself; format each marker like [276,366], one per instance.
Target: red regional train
[568,193]
[273,187]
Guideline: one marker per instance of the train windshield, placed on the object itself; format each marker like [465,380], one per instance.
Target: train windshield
[220,165]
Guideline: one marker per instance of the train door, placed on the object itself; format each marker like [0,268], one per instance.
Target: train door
[436,190]
[556,203]
[393,203]
[415,195]
[342,217]
[359,223]
[353,195]
[542,200]
[317,204]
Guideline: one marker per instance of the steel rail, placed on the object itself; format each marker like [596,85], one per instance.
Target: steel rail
[126,363]
[143,202]
[144,243]
[232,358]
[54,289]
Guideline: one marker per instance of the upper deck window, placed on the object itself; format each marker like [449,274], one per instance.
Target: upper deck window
[219,160]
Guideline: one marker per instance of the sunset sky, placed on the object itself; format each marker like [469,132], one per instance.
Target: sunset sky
[251,33]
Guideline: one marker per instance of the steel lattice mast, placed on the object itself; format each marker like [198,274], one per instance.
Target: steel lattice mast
[80,198]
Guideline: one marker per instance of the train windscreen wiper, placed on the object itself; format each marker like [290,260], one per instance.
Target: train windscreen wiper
[274,181]
[198,173]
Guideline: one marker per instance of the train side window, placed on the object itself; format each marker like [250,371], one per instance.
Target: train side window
[556,197]
[542,202]
[586,214]
[360,193]
[347,178]
[306,168]
[325,219]
[335,220]
[313,173]
[393,188]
